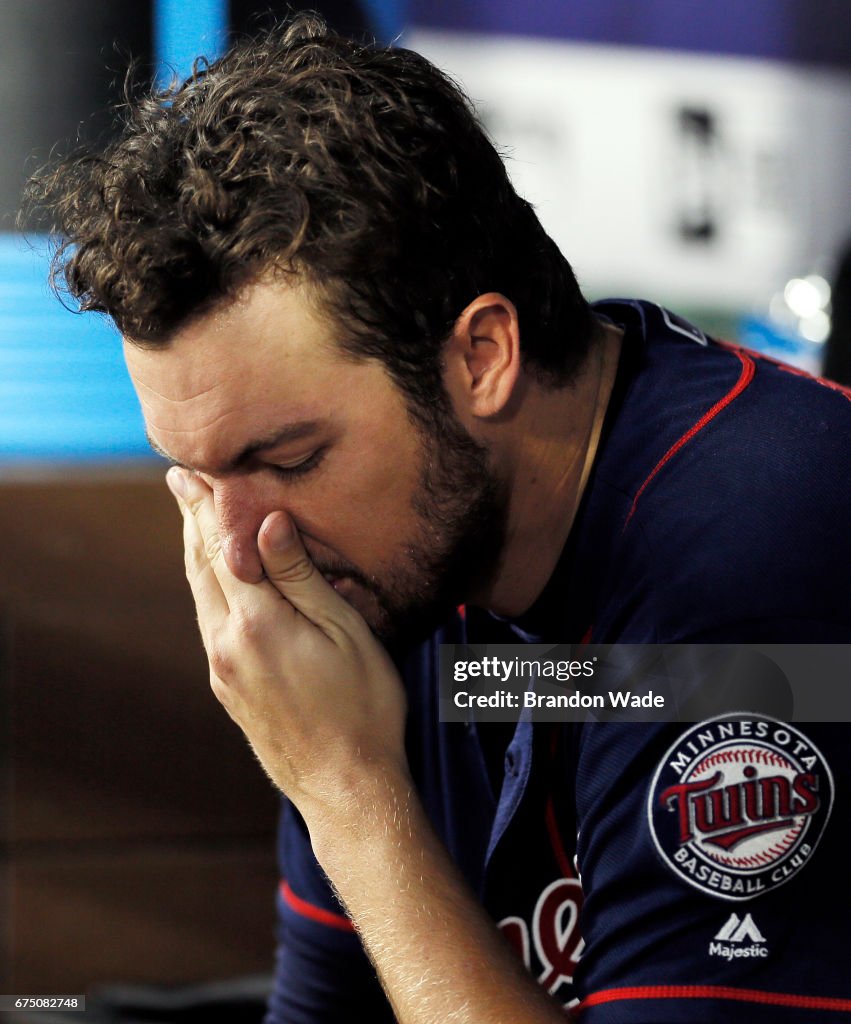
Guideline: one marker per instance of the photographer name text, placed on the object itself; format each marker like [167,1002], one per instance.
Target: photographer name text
[576,699]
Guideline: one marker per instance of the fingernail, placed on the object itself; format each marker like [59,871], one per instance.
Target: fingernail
[277,530]
[176,482]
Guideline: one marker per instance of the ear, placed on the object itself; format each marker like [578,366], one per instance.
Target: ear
[482,356]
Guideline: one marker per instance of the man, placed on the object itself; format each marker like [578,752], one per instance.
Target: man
[385,397]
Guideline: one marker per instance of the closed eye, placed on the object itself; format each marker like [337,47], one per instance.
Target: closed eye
[297,469]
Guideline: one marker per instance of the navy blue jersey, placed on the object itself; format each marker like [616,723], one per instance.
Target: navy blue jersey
[717,511]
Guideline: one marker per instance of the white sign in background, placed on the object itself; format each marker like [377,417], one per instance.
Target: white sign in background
[697,180]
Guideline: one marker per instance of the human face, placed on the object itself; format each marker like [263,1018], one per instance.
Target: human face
[259,400]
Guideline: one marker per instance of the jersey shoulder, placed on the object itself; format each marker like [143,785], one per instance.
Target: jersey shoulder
[731,476]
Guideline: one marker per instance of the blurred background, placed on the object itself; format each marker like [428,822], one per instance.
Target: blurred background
[694,153]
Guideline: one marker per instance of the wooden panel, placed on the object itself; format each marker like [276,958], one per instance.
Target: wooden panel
[136,828]
[114,731]
[147,915]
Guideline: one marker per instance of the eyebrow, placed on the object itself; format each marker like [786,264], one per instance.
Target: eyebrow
[291,432]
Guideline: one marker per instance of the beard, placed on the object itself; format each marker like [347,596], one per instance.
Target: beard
[461,512]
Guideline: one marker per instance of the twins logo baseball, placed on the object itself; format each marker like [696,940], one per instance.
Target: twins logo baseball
[738,804]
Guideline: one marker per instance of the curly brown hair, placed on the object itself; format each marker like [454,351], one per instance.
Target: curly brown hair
[363,169]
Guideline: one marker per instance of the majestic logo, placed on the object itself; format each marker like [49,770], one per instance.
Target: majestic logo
[739,938]
[738,805]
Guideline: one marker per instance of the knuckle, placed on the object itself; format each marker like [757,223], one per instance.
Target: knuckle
[194,503]
[213,548]
[298,571]
[246,623]
[220,659]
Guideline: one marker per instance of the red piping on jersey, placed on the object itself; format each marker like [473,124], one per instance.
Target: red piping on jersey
[745,995]
[825,383]
[745,378]
[555,840]
[796,371]
[314,913]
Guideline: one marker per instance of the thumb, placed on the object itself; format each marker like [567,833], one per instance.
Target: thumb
[289,569]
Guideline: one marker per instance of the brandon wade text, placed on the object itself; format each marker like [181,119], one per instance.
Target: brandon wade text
[576,699]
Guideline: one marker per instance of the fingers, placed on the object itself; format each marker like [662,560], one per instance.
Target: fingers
[196,509]
[291,571]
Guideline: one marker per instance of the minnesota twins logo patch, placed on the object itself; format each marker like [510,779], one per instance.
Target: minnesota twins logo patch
[738,805]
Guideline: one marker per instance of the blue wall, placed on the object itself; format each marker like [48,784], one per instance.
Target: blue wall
[64,390]
[184,30]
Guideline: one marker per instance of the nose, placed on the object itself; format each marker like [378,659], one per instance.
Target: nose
[240,510]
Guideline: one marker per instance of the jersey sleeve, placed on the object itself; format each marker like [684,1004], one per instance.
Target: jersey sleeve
[321,971]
